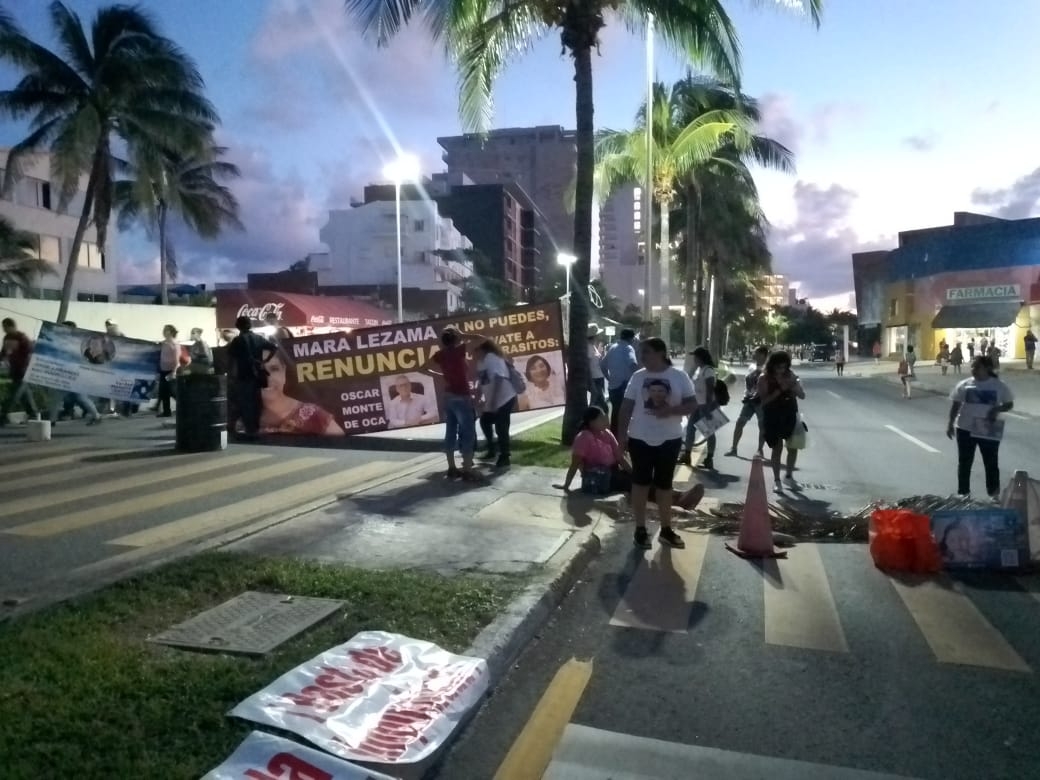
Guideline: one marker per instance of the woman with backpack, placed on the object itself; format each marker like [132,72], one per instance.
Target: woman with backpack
[497,400]
[705,387]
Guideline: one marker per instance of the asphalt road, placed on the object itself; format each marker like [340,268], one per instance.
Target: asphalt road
[820,658]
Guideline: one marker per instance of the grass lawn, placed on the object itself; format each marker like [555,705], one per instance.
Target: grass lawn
[540,446]
[83,695]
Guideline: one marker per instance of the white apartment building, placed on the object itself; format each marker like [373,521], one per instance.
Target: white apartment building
[622,266]
[362,250]
[773,291]
[32,206]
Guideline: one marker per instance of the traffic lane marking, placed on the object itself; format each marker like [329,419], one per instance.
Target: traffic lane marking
[532,751]
[833,394]
[800,610]
[914,440]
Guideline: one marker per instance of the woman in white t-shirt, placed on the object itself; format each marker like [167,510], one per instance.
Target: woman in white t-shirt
[498,398]
[703,376]
[650,429]
[975,422]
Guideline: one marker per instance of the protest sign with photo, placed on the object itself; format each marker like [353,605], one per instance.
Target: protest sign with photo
[267,757]
[93,363]
[381,697]
[378,379]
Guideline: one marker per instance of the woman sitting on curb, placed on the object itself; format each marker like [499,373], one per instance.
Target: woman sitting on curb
[604,468]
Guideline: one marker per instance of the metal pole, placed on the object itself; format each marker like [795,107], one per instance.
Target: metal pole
[648,188]
[400,280]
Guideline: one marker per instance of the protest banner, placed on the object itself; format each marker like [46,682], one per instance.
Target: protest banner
[380,698]
[93,363]
[376,379]
[267,757]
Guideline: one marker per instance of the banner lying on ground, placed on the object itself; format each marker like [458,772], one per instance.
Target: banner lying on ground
[380,698]
[380,378]
[266,757]
[92,363]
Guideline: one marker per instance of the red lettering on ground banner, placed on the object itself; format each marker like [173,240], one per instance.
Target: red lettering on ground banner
[383,658]
[297,768]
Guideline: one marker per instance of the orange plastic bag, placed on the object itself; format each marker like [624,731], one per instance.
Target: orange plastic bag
[901,540]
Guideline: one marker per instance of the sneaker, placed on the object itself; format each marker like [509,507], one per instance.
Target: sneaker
[685,460]
[669,537]
[502,463]
[453,473]
[778,487]
[488,455]
[708,464]
[791,481]
[731,453]
[641,538]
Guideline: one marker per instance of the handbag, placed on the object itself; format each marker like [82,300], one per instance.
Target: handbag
[800,438]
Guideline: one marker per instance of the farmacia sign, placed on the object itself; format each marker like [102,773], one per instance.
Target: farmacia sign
[987,293]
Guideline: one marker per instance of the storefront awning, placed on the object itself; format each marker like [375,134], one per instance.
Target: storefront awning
[997,314]
[298,311]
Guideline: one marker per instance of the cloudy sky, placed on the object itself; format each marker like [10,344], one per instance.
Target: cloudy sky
[900,113]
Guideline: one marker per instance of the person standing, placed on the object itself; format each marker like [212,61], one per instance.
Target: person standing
[169,362]
[906,371]
[993,353]
[974,422]
[1030,342]
[498,398]
[839,360]
[460,430]
[971,350]
[703,377]
[657,398]
[274,330]
[779,390]
[956,357]
[199,353]
[597,382]
[944,357]
[877,352]
[618,365]
[248,353]
[751,406]
[17,350]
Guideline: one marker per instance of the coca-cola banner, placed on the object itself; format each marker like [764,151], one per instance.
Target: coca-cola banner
[380,698]
[377,379]
[267,757]
[301,314]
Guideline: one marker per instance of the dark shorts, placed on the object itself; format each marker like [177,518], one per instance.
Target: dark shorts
[748,410]
[654,465]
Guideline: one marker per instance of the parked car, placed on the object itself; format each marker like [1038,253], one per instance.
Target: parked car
[821,352]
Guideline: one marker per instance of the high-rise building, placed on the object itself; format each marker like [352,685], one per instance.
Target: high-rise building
[541,160]
[622,265]
[773,291]
[33,207]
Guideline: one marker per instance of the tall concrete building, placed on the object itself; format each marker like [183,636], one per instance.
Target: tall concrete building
[774,291]
[622,266]
[542,160]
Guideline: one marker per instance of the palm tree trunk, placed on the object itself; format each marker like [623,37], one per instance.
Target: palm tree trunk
[77,238]
[577,347]
[690,298]
[665,257]
[164,291]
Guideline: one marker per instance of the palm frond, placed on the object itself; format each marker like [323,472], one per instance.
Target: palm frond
[383,19]
[74,43]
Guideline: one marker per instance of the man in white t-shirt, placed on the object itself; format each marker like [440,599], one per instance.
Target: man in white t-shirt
[656,400]
[407,408]
[975,422]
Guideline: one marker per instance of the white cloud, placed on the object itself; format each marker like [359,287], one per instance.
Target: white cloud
[1019,201]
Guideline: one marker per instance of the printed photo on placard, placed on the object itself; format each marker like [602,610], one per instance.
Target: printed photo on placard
[409,400]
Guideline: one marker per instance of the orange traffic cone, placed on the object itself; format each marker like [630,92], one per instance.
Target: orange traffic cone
[756,530]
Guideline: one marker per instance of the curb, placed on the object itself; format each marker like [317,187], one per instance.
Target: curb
[503,639]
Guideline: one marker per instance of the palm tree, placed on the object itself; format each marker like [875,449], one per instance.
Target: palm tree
[482,36]
[678,150]
[123,84]
[724,179]
[19,263]
[188,186]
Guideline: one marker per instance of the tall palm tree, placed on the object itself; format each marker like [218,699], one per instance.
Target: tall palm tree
[19,263]
[188,186]
[483,36]
[122,83]
[678,149]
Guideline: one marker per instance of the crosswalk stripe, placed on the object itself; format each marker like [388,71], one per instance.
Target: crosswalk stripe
[26,462]
[86,518]
[799,605]
[223,518]
[661,593]
[160,474]
[953,626]
[113,465]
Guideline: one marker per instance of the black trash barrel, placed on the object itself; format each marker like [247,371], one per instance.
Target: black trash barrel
[201,412]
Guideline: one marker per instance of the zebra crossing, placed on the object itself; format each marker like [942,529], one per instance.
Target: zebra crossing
[70,504]
[802,609]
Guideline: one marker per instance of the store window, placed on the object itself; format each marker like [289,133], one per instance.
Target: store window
[91,257]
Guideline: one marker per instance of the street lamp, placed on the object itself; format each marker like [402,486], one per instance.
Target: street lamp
[400,171]
[567,261]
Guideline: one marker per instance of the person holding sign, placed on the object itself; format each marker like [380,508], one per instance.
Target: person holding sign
[460,409]
[976,404]
[498,396]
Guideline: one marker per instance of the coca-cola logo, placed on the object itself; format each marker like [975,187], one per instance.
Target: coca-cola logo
[261,312]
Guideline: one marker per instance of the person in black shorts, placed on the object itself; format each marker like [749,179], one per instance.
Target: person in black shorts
[751,406]
[779,391]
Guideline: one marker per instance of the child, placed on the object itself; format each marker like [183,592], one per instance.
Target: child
[604,468]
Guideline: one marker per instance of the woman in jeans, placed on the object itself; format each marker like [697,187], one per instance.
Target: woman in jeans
[460,428]
[703,376]
[975,422]
[650,430]
[498,398]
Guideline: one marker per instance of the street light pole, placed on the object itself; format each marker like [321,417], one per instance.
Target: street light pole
[400,280]
[648,185]
[404,169]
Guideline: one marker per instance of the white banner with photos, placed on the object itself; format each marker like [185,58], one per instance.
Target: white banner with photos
[266,756]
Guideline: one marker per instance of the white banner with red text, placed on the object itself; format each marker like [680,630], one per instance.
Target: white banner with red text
[267,757]
[379,698]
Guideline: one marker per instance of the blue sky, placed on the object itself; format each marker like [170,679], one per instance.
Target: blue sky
[900,113]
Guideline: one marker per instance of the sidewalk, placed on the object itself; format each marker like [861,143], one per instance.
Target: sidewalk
[1024,384]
